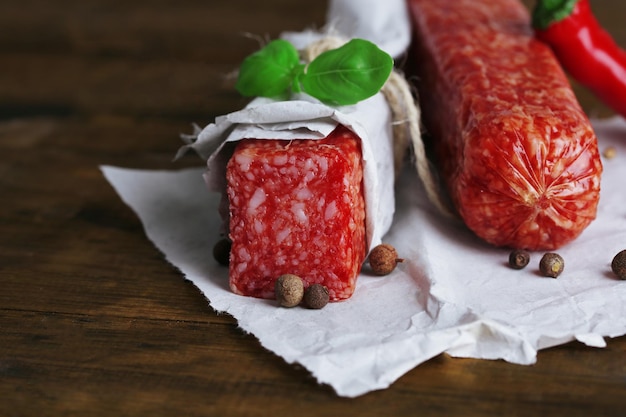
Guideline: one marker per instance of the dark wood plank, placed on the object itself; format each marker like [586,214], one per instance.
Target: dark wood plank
[168,57]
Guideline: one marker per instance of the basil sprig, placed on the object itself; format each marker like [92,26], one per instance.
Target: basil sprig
[342,76]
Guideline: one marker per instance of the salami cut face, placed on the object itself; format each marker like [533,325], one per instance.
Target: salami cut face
[514,147]
[296,207]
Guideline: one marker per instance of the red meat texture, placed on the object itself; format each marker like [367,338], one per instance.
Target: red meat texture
[514,147]
[296,207]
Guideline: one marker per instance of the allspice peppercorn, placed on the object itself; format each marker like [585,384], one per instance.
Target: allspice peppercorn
[383,259]
[551,265]
[618,265]
[221,251]
[610,152]
[316,296]
[289,290]
[518,259]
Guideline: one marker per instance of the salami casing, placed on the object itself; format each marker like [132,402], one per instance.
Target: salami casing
[516,151]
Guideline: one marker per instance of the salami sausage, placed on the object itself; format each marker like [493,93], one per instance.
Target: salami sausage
[296,207]
[516,151]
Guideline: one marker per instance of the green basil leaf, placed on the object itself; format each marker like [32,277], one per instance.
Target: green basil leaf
[348,74]
[270,71]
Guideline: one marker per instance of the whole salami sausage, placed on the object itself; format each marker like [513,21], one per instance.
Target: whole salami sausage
[516,151]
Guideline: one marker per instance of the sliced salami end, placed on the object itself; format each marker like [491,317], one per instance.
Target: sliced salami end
[296,207]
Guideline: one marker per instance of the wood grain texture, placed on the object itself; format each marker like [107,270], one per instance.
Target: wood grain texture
[93,320]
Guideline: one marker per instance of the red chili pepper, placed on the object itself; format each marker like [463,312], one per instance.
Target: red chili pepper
[585,50]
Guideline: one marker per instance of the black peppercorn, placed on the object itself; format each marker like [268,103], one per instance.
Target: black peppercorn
[618,265]
[551,265]
[518,259]
[221,251]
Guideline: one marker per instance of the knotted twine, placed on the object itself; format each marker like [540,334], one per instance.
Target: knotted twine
[405,122]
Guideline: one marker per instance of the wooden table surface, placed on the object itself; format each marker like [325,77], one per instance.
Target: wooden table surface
[93,320]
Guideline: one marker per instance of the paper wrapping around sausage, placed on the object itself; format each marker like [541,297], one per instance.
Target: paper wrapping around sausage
[305,118]
[515,149]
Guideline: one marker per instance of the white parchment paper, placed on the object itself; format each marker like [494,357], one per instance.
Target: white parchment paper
[453,293]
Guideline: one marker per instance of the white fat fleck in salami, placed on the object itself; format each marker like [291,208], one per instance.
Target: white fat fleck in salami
[330,211]
[299,213]
[258,198]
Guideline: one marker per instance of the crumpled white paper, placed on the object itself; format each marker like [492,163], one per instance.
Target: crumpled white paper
[386,23]
[453,294]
